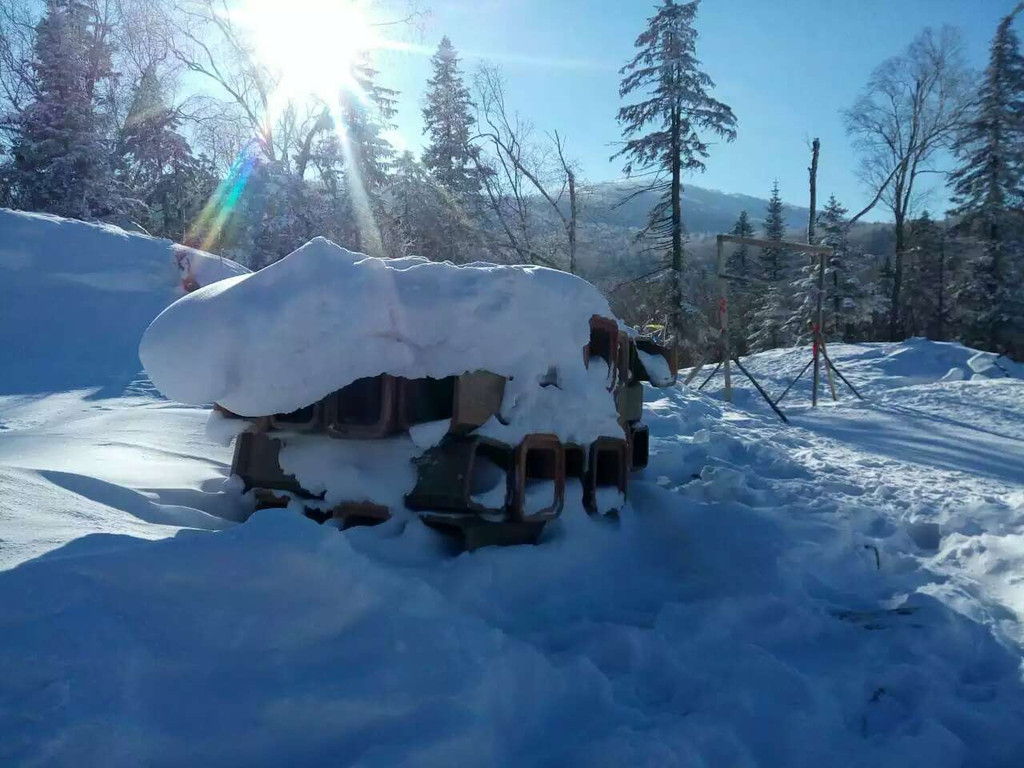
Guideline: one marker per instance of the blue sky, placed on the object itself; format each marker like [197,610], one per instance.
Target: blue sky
[786,67]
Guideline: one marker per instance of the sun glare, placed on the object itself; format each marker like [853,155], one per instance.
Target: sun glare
[310,45]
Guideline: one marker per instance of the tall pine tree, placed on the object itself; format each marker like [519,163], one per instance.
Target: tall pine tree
[739,263]
[925,277]
[988,193]
[367,111]
[61,161]
[665,131]
[447,123]
[165,183]
[771,313]
[850,296]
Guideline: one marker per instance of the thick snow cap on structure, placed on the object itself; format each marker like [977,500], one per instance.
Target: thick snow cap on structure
[322,317]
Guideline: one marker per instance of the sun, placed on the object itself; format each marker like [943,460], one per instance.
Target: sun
[310,45]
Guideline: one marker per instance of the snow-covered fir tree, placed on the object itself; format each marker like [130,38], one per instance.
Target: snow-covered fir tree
[850,297]
[771,312]
[666,133]
[447,121]
[926,279]
[738,263]
[60,157]
[988,194]
[165,183]
[367,111]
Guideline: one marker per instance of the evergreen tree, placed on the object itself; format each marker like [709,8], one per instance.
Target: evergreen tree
[60,157]
[366,114]
[926,278]
[447,122]
[167,185]
[739,263]
[849,294]
[988,192]
[771,313]
[665,131]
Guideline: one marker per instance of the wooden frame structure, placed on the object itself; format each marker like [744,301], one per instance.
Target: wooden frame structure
[725,347]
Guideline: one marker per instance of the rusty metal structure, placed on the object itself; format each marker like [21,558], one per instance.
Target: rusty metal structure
[486,491]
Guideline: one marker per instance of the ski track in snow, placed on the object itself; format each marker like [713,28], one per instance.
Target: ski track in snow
[847,590]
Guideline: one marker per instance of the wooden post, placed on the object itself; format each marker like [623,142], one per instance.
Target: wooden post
[816,323]
[818,330]
[723,317]
[813,171]
[828,369]
[694,372]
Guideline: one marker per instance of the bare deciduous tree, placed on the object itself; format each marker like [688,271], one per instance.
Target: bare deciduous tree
[909,111]
[515,169]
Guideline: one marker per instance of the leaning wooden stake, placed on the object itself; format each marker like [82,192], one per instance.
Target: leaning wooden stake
[840,375]
[694,372]
[794,381]
[710,376]
[828,369]
[764,394]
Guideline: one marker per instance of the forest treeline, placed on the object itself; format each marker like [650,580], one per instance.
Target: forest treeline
[159,115]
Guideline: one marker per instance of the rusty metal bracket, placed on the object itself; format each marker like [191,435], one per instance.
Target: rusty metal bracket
[639,445]
[608,467]
[604,343]
[308,419]
[539,458]
[460,475]
[256,460]
[365,409]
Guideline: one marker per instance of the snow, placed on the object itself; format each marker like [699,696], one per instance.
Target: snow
[844,591]
[87,293]
[732,614]
[322,317]
[379,471]
[735,612]
[579,410]
[657,368]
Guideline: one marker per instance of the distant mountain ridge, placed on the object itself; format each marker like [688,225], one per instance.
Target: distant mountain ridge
[705,211]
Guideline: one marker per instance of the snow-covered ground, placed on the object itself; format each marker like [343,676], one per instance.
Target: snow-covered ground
[844,591]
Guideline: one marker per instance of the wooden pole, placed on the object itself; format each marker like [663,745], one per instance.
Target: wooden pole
[694,372]
[816,323]
[710,376]
[840,375]
[723,316]
[758,387]
[794,381]
[813,171]
[828,369]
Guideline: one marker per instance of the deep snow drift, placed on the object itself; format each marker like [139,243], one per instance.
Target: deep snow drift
[75,299]
[845,591]
[838,592]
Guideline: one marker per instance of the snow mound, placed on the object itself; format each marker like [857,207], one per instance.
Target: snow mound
[987,365]
[322,317]
[76,297]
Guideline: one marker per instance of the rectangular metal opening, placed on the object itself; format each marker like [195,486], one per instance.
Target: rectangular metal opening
[608,468]
[640,441]
[361,403]
[427,399]
[303,416]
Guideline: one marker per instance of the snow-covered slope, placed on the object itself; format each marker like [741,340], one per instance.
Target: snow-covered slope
[844,591]
[75,299]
